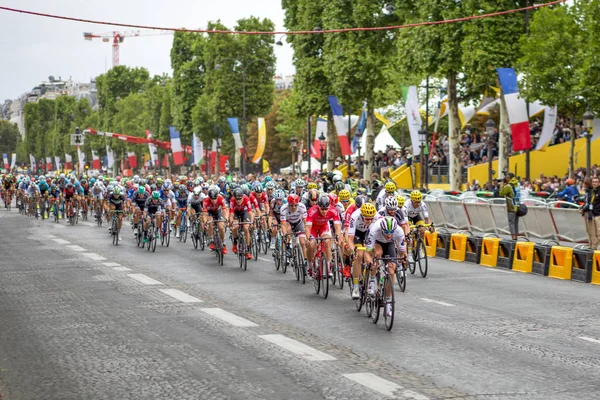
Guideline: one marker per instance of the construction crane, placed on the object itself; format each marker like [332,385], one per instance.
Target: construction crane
[118,38]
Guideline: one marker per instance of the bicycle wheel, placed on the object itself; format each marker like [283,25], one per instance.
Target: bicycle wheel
[325,277]
[422,254]
[115,231]
[401,278]
[265,242]
[277,252]
[376,301]
[316,275]
[412,265]
[295,263]
[334,273]
[389,303]
[340,270]
[201,239]
[140,235]
[301,265]
[154,239]
[284,259]
[150,237]
[184,231]
[254,246]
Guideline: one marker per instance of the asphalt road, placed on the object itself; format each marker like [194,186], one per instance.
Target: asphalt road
[82,319]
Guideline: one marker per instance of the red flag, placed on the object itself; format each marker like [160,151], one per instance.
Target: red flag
[165,162]
[132,159]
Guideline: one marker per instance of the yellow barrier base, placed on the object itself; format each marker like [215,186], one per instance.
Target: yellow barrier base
[458,247]
[596,268]
[561,262]
[430,240]
[489,252]
[523,258]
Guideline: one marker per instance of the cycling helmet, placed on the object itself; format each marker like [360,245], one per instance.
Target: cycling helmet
[213,193]
[390,187]
[117,191]
[391,203]
[197,191]
[92,181]
[136,179]
[337,176]
[222,179]
[361,191]
[142,182]
[159,180]
[300,183]
[311,185]
[324,201]
[153,187]
[344,195]
[182,188]
[401,201]
[293,199]
[279,194]
[388,225]
[258,188]
[238,193]
[268,179]
[246,190]
[141,190]
[415,195]
[339,186]
[156,195]
[204,186]
[43,178]
[77,184]
[69,185]
[313,195]
[368,210]
[270,185]
[333,198]
[360,200]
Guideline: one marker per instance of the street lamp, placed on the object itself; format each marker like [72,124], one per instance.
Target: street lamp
[588,120]
[218,161]
[322,149]
[244,122]
[422,140]
[358,135]
[490,129]
[294,143]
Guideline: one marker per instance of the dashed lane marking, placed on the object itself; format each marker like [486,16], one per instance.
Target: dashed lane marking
[264,259]
[181,296]
[146,280]
[589,339]
[112,264]
[228,317]
[441,303]
[74,247]
[122,269]
[499,270]
[373,382]
[94,256]
[297,347]
[61,241]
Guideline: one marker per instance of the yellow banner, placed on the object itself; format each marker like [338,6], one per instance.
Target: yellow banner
[266,166]
[262,140]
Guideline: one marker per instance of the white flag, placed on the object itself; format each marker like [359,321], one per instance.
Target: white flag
[13,161]
[152,149]
[548,128]
[198,149]
[81,158]
[110,157]
[32,161]
[414,118]
[57,162]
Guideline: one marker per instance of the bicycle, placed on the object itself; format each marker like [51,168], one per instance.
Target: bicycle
[320,268]
[99,210]
[152,235]
[298,259]
[384,292]
[277,252]
[183,228]
[417,250]
[364,277]
[254,246]
[242,248]
[197,235]
[114,224]
[165,230]
[338,266]
[261,236]
[218,244]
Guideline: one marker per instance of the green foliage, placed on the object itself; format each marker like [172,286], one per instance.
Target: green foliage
[9,134]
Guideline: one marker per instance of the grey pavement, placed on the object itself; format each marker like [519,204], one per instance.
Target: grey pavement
[75,325]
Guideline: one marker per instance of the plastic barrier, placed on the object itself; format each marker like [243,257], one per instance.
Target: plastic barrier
[436,214]
[523,257]
[569,224]
[500,218]
[481,217]
[442,245]
[455,215]
[458,247]
[582,264]
[430,240]
[561,261]
[473,252]
[596,268]
[506,249]
[539,222]
[541,258]
[489,251]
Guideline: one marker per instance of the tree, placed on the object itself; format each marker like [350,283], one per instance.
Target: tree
[9,135]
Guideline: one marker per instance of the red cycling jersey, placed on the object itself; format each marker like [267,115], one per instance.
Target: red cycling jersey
[349,211]
[69,192]
[245,205]
[318,221]
[262,199]
[213,206]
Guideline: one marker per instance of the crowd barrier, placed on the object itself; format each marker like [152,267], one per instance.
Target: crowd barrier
[469,230]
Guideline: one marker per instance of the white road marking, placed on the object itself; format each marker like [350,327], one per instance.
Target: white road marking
[228,317]
[74,247]
[589,339]
[373,382]
[441,303]
[146,280]
[181,296]
[112,264]
[59,226]
[409,394]
[297,347]
[87,223]
[264,259]
[61,241]
[122,269]
[51,236]
[499,270]
[94,256]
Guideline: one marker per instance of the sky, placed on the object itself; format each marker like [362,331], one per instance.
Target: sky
[33,48]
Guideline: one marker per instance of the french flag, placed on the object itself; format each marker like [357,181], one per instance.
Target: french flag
[315,148]
[176,146]
[48,163]
[516,108]
[95,160]
[132,159]
[341,125]
[5,159]
[68,161]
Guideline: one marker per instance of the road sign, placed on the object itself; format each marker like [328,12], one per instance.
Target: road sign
[77,139]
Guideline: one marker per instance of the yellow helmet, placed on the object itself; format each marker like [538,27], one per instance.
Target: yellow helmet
[368,210]
[401,201]
[344,195]
[311,185]
[390,187]
[415,195]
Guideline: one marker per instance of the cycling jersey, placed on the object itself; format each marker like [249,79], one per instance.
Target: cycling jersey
[116,201]
[376,236]
[69,192]
[293,217]
[182,198]
[275,207]
[400,216]
[319,222]
[196,203]
[153,206]
[357,224]
[413,212]
[245,205]
[214,206]
[380,201]
[349,212]
[43,185]
[262,199]
[140,199]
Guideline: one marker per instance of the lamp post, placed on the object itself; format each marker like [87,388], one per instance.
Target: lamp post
[588,120]
[217,161]
[244,122]
[422,140]
[294,143]
[490,129]
[322,149]
[358,135]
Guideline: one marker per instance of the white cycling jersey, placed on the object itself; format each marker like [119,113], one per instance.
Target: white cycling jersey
[357,223]
[376,235]
[413,211]
[400,215]
[293,217]
[380,201]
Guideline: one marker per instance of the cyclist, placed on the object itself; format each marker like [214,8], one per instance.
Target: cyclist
[214,208]
[358,228]
[194,204]
[114,202]
[44,189]
[275,208]
[139,199]
[259,197]
[317,226]
[300,185]
[242,211]
[389,191]
[181,198]
[69,193]
[415,207]
[153,210]
[293,218]
[310,198]
[383,239]
[391,209]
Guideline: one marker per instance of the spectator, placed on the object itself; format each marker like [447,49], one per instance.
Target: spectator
[510,191]
[591,211]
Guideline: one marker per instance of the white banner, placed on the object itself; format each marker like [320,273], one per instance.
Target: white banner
[413,118]
[549,126]
[197,149]
[81,159]
[110,157]
[13,161]
[32,161]
[596,129]
[57,162]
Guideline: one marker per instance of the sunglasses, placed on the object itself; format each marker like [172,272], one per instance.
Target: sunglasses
[324,209]
[385,232]
[345,201]
[367,219]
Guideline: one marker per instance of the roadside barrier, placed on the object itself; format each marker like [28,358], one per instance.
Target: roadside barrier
[473,253]
[458,247]
[523,257]
[506,249]
[596,268]
[541,257]
[561,262]
[582,264]
[430,240]
[443,245]
[489,252]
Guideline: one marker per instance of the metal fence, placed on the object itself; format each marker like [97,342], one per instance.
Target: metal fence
[481,216]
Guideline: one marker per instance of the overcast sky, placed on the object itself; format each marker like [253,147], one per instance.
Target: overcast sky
[34,48]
